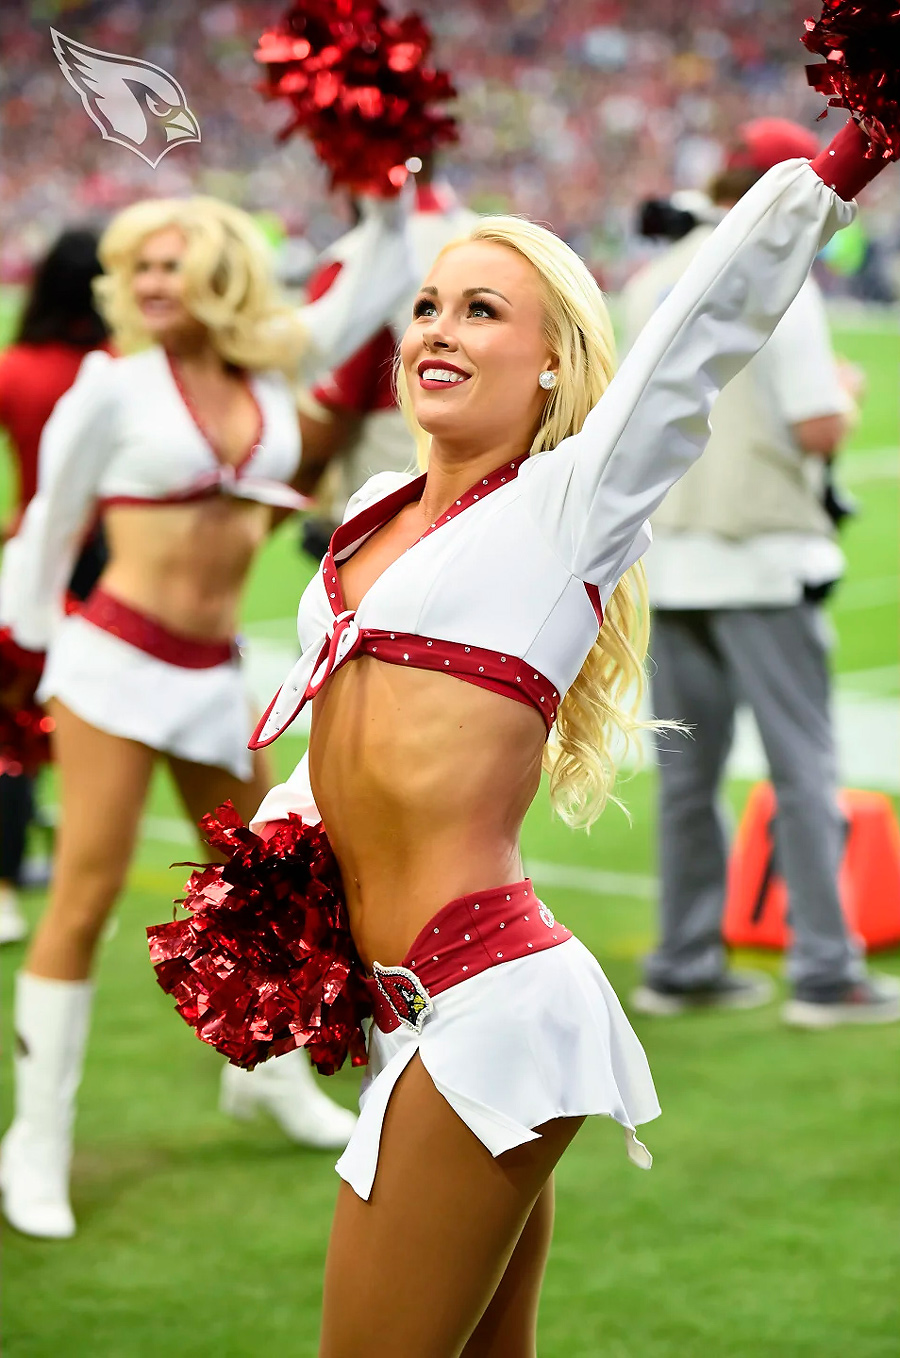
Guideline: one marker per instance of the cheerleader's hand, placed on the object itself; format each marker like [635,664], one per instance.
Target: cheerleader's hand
[392,212]
[845,164]
[853,380]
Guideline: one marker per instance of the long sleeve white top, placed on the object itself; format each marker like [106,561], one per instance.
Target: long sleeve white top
[507,590]
[123,432]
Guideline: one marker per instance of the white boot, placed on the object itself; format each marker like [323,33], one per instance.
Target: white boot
[287,1090]
[52,1020]
[13,927]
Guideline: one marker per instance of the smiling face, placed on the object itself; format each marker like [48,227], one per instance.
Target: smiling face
[476,347]
[157,284]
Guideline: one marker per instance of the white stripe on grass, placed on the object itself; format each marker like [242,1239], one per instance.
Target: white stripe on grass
[173,830]
[867,724]
[882,681]
[592,880]
[862,318]
[854,595]
[869,464]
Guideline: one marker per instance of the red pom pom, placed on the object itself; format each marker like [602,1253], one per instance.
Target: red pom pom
[861,44]
[24,728]
[265,962]
[24,739]
[359,87]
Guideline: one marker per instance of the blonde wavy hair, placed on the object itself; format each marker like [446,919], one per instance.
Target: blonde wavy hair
[597,725]
[228,281]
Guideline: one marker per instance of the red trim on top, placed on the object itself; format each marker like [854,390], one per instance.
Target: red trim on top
[321,279]
[352,533]
[192,411]
[197,492]
[211,485]
[466,937]
[150,636]
[364,383]
[593,593]
[349,536]
[256,741]
[493,481]
[507,675]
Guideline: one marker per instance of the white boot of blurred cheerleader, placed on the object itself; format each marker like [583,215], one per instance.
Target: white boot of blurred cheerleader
[287,1090]
[13,927]
[51,1021]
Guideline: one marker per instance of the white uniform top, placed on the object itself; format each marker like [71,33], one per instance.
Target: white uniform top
[124,433]
[508,588]
[746,528]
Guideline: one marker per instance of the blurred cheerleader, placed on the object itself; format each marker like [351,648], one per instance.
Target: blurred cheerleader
[59,325]
[183,447]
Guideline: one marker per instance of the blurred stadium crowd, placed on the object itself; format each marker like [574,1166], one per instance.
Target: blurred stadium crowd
[571,111]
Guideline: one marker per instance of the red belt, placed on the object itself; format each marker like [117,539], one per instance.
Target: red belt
[465,937]
[146,634]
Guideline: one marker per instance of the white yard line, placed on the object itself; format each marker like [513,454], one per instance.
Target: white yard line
[170,830]
[868,743]
[174,830]
[882,681]
[869,464]
[868,720]
[283,630]
[862,318]
[592,880]
[854,595]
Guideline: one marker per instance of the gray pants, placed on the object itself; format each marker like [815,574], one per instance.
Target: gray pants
[775,661]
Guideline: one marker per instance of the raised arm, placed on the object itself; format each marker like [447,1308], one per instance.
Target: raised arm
[37,563]
[366,291]
[593,493]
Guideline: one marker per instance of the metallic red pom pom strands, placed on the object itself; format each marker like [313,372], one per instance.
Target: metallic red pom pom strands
[360,88]
[860,40]
[25,731]
[24,739]
[265,962]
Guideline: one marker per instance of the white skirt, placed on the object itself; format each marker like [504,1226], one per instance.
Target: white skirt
[538,1038]
[202,715]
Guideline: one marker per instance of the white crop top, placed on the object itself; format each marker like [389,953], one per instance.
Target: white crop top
[507,590]
[125,433]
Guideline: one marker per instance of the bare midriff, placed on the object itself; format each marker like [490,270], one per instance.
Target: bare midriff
[185,565]
[423,782]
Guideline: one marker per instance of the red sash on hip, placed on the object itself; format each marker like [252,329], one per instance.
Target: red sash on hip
[466,936]
[146,634]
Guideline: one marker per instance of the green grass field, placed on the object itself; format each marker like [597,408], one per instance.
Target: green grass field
[766,1229]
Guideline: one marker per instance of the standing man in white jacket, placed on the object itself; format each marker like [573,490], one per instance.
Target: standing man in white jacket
[744,553]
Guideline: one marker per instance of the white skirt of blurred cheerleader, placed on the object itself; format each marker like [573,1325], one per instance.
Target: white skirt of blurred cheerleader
[201,715]
[538,1038]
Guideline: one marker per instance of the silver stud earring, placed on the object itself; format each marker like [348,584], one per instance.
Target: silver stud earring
[547,380]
